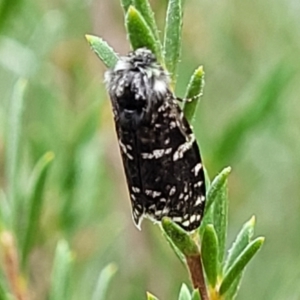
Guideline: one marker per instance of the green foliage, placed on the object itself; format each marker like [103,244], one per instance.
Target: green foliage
[172,38]
[222,274]
[210,254]
[35,202]
[144,8]
[61,107]
[268,93]
[139,32]
[193,93]
[7,9]
[242,240]
[13,145]
[125,4]
[196,295]
[106,53]
[239,264]
[104,279]
[151,297]
[180,238]
[184,293]
[61,272]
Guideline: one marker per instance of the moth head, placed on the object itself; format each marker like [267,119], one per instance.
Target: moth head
[137,79]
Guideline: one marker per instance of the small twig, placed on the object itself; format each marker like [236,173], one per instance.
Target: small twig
[195,266]
[11,266]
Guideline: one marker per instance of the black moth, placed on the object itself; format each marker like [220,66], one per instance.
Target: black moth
[160,155]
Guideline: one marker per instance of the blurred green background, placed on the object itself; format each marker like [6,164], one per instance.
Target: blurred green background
[249,118]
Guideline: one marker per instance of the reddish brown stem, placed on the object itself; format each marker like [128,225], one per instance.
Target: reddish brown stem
[11,266]
[195,266]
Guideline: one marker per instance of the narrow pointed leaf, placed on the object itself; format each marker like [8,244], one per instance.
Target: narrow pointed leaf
[103,281]
[216,185]
[61,272]
[3,295]
[193,93]
[242,240]
[35,203]
[125,4]
[181,239]
[207,179]
[265,102]
[196,295]
[209,250]
[234,288]
[105,52]
[151,297]
[13,143]
[207,219]
[5,212]
[184,293]
[218,195]
[174,248]
[208,211]
[240,263]
[139,33]
[144,8]
[172,37]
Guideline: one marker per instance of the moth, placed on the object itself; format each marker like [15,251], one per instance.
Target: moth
[160,154]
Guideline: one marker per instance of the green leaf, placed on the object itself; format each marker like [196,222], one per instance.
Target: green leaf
[61,272]
[208,212]
[181,239]
[196,295]
[125,4]
[8,9]
[35,203]
[105,52]
[139,33]
[216,186]
[242,240]
[193,93]
[13,145]
[240,263]
[144,8]
[266,98]
[172,37]
[104,279]
[207,179]
[174,248]
[3,295]
[209,250]
[184,293]
[151,297]
[207,219]
[220,210]
[234,288]
[5,212]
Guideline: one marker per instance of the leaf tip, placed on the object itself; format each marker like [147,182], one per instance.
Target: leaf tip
[151,296]
[49,156]
[132,11]
[87,37]
[90,39]
[252,221]
[113,268]
[199,71]
[227,170]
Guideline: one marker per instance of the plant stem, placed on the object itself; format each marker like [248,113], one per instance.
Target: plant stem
[11,266]
[194,263]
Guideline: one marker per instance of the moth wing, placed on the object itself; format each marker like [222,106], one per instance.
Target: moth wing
[171,171]
[128,147]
